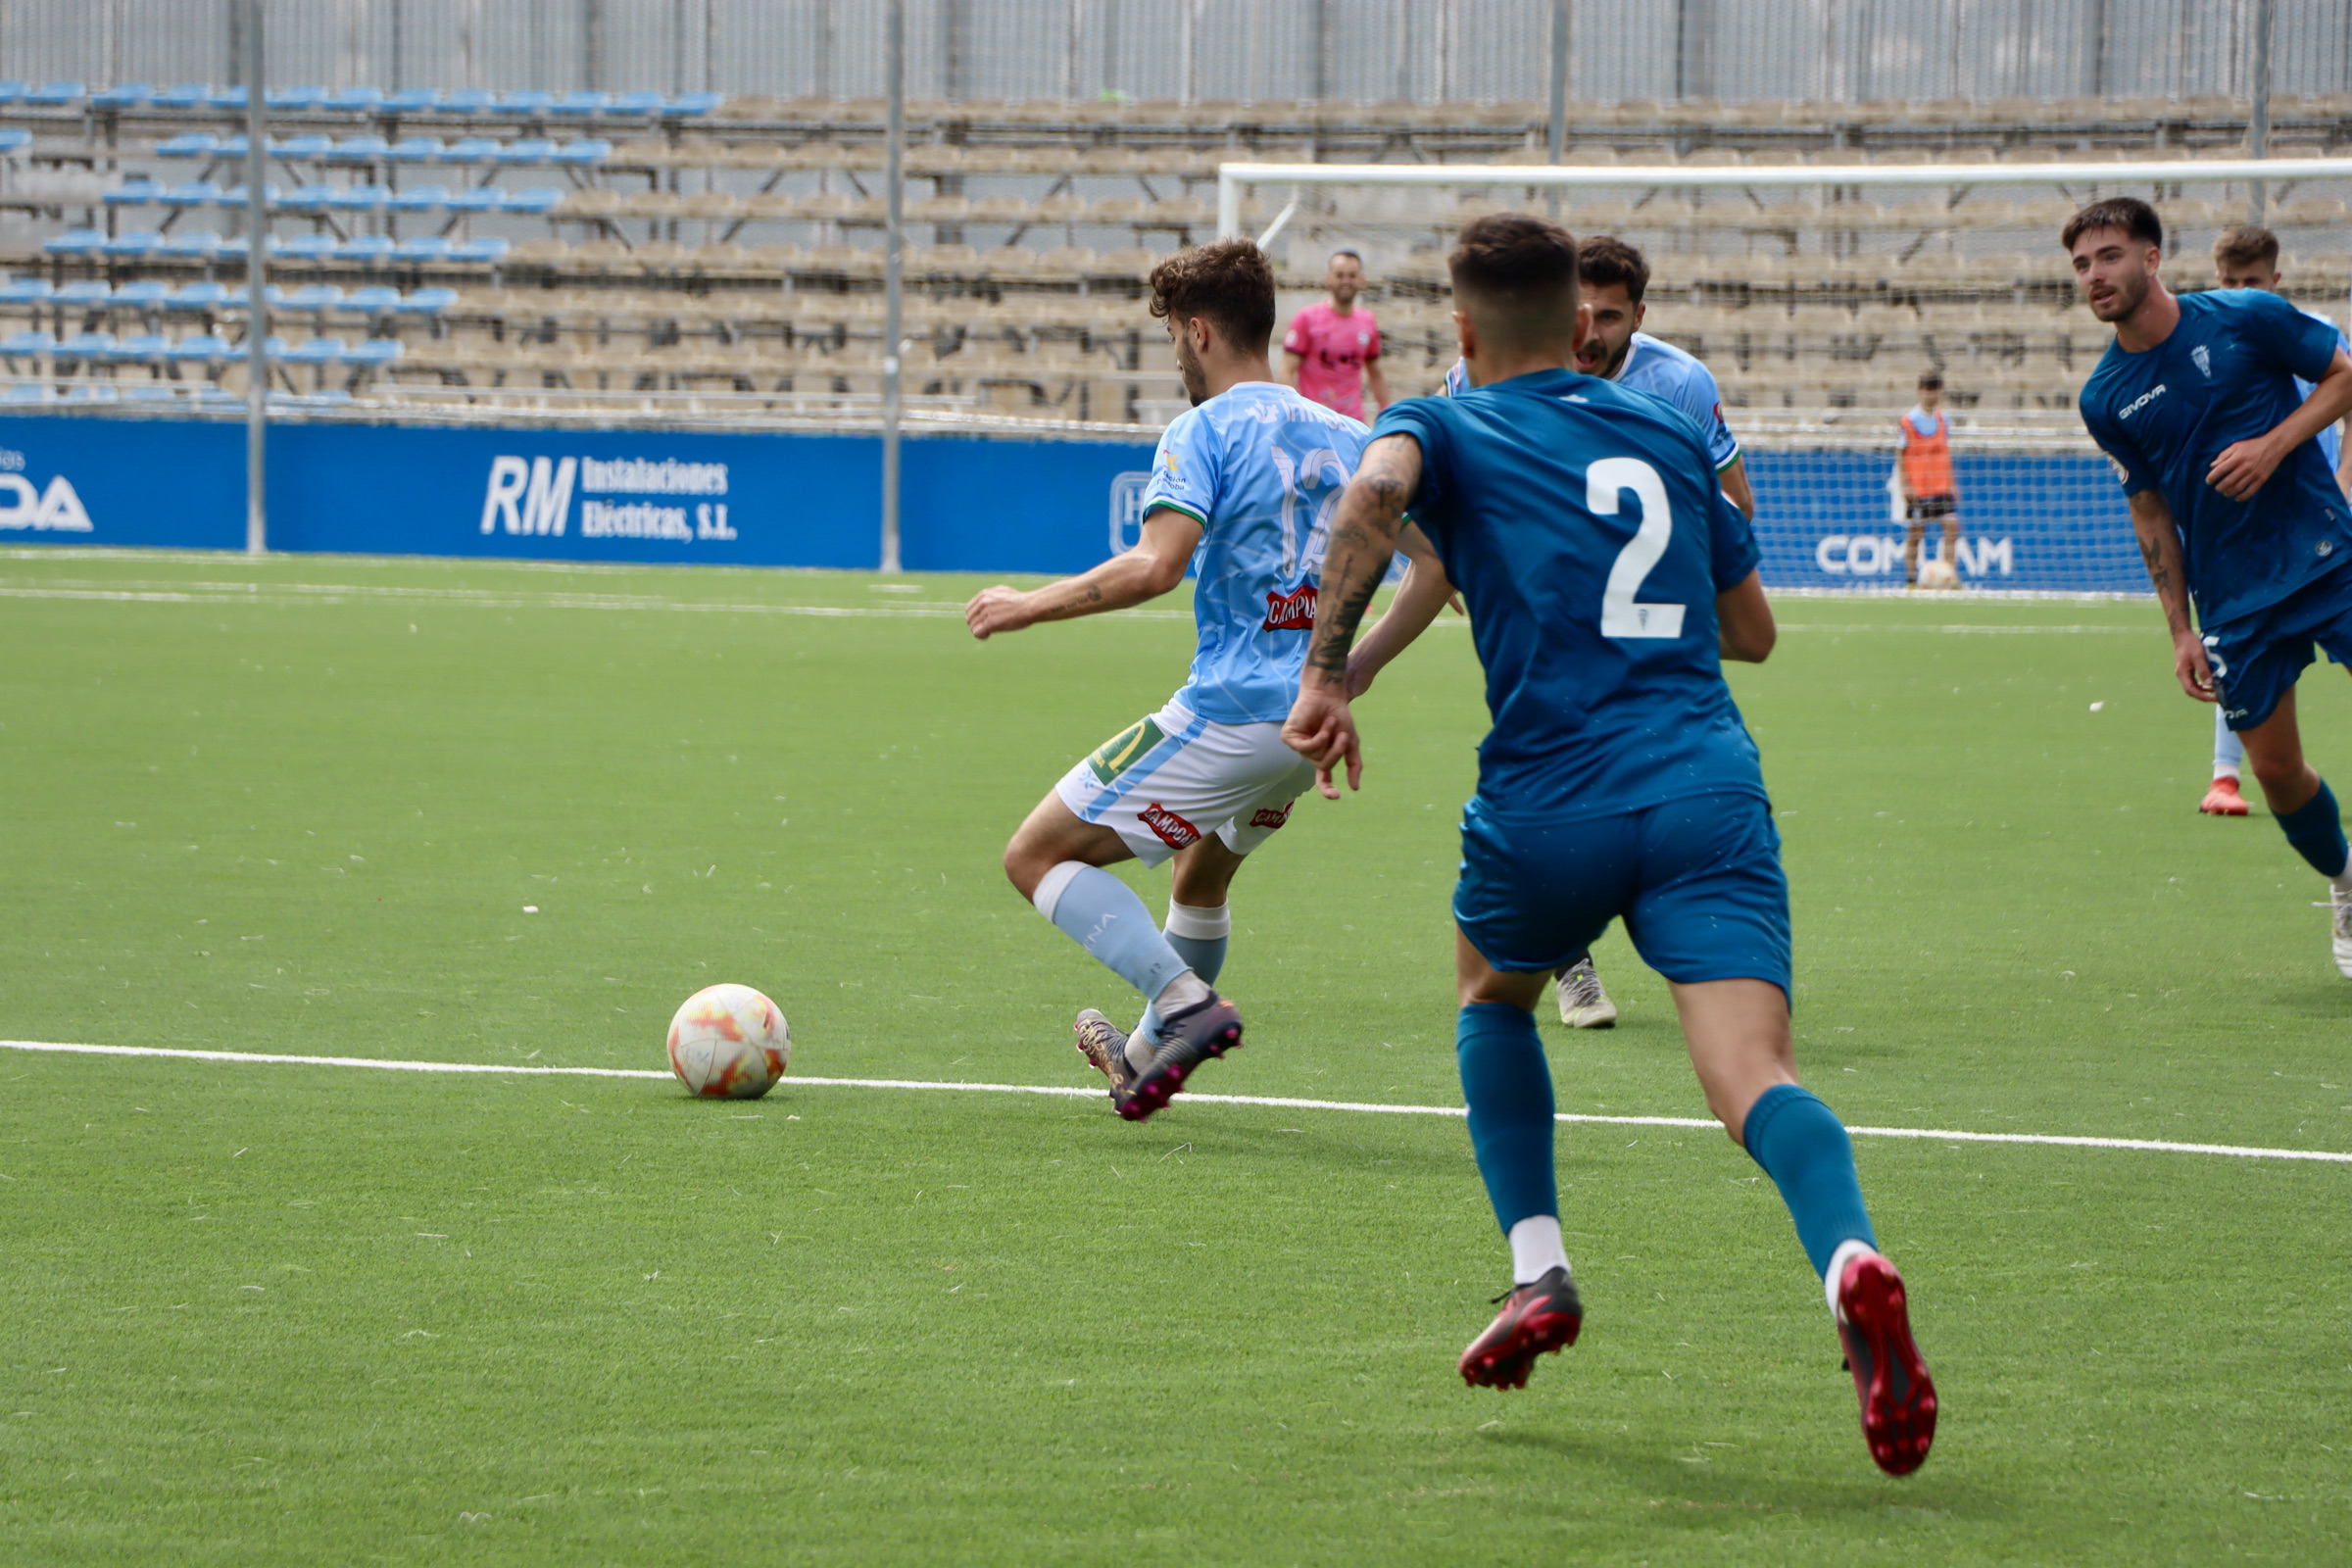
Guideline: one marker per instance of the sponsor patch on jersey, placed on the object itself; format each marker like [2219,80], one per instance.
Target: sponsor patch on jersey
[1291,612]
[1124,750]
[2123,475]
[1271,818]
[1173,830]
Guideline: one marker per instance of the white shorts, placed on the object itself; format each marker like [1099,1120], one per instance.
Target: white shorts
[1163,782]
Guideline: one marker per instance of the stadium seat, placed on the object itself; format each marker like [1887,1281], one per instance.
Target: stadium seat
[370,300]
[418,199]
[25,291]
[580,103]
[691,105]
[466,101]
[491,248]
[181,96]
[145,348]
[84,346]
[360,199]
[54,95]
[295,100]
[150,392]
[204,349]
[303,148]
[229,98]
[471,150]
[191,245]
[417,150]
[634,103]
[411,101]
[423,248]
[76,242]
[581,153]
[15,140]
[358,150]
[306,198]
[523,105]
[368,250]
[206,296]
[429,302]
[315,351]
[27,392]
[138,192]
[94,392]
[123,95]
[134,242]
[525,150]
[537,201]
[26,345]
[314,299]
[306,247]
[190,193]
[375,353]
[478,199]
[236,196]
[356,100]
[239,353]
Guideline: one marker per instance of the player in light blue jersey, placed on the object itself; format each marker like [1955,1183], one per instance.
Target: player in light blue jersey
[1612,277]
[2247,257]
[2237,515]
[1607,579]
[1242,490]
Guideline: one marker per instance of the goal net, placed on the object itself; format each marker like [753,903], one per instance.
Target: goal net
[1817,293]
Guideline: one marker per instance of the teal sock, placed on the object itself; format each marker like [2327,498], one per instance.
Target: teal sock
[1507,1086]
[1102,915]
[2317,831]
[1802,1147]
[1199,936]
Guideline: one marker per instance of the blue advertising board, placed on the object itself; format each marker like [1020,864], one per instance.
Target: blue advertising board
[2052,522]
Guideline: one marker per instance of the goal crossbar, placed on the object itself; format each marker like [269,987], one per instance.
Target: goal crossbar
[1235,179]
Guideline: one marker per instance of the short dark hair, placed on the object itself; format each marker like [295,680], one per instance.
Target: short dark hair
[1357,256]
[1228,283]
[2136,218]
[1520,266]
[1602,259]
[1930,380]
[2247,245]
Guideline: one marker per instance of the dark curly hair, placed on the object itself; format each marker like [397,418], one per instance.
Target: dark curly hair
[1228,283]
[2136,218]
[1519,268]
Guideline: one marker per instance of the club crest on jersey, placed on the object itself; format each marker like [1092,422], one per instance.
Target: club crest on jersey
[1291,612]
[1173,830]
[1271,818]
[1124,750]
[2204,358]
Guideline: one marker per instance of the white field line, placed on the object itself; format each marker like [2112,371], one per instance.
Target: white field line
[1064,1091]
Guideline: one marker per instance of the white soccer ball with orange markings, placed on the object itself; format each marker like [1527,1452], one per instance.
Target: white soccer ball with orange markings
[1938,573]
[728,1042]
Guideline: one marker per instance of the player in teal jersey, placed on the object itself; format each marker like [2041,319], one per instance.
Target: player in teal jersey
[1607,578]
[2195,403]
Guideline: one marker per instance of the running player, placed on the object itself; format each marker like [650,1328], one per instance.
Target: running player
[1607,578]
[1332,351]
[1613,276]
[2248,258]
[1241,489]
[2195,403]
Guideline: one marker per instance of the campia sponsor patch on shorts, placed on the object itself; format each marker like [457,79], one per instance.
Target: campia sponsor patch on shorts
[1173,830]
[1124,750]
[1291,612]
[1271,818]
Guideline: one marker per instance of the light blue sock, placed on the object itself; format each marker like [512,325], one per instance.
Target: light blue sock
[1102,914]
[1199,935]
[1804,1147]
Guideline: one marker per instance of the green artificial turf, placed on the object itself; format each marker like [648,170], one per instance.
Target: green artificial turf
[295,1314]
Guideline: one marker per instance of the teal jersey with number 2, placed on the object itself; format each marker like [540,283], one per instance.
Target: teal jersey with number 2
[1584,525]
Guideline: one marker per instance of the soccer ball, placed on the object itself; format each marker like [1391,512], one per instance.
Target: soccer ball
[1938,573]
[729,1042]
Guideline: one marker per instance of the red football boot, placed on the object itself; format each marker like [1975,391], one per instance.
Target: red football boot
[2223,800]
[1536,1319]
[1899,1397]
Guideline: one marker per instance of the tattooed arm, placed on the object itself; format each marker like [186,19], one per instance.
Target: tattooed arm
[1154,566]
[1363,538]
[1419,596]
[2159,548]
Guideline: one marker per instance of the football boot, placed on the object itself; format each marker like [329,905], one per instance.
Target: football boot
[1537,1320]
[1899,1397]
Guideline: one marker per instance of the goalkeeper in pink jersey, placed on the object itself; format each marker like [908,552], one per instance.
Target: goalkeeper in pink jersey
[1332,351]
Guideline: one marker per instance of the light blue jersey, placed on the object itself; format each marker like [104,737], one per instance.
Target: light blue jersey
[1656,366]
[1261,470]
[2332,439]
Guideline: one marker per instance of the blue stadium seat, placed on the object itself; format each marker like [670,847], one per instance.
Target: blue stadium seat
[417,150]
[54,95]
[356,100]
[328,398]
[373,299]
[580,103]
[144,348]
[204,350]
[304,149]
[230,147]
[27,392]
[89,292]
[191,245]
[359,150]
[295,100]
[372,353]
[583,153]
[315,351]
[526,150]
[490,248]
[427,302]
[423,248]
[218,397]
[75,242]
[306,198]
[467,101]
[150,392]
[413,101]
[25,291]
[527,104]
[360,199]
[199,297]
[133,193]
[315,298]
[306,248]
[94,392]
[236,196]
[134,243]
[13,91]
[478,199]
[634,103]
[22,345]
[123,95]
[191,194]
[145,295]
[471,150]
[691,105]
[273,346]
[419,199]
[181,96]
[538,201]
[226,98]
[84,346]
[369,250]
[15,140]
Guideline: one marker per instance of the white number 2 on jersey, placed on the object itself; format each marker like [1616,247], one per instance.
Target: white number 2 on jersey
[1620,615]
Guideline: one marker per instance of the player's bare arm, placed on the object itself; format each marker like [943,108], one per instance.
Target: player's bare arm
[1743,625]
[2245,467]
[2159,548]
[1292,365]
[1376,382]
[1424,592]
[1364,532]
[1733,481]
[1153,567]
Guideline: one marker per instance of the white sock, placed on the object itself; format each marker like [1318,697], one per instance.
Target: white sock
[1187,990]
[2222,771]
[1846,1252]
[1536,1248]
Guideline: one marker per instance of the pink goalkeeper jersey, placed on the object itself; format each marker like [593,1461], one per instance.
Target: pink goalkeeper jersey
[1334,348]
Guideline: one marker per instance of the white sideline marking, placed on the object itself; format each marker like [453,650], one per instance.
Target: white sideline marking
[1280,1102]
[284,595]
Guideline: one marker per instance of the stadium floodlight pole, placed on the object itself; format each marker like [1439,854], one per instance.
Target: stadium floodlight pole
[2258,123]
[257,287]
[1560,18]
[892,250]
